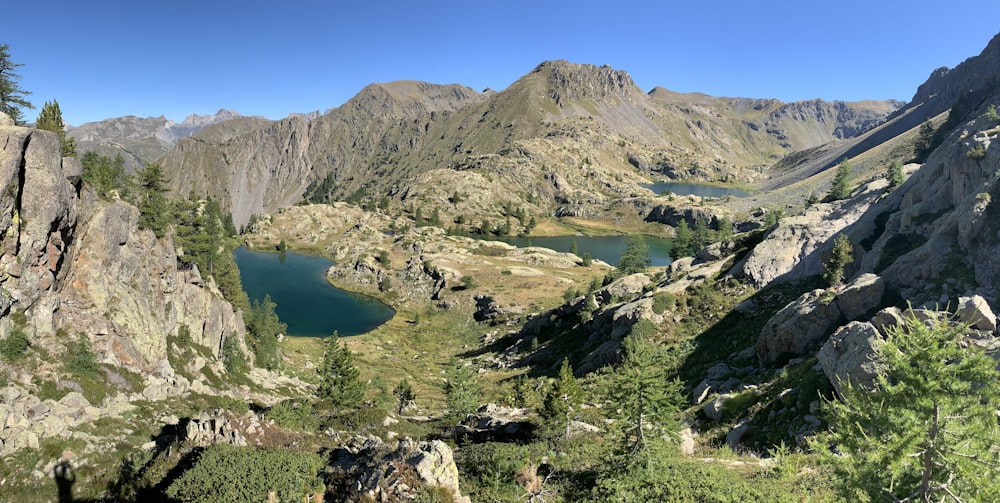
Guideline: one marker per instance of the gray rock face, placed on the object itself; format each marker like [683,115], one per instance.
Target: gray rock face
[801,325]
[38,215]
[807,321]
[125,285]
[850,356]
[799,246]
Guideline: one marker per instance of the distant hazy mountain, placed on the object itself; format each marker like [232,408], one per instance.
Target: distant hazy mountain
[138,139]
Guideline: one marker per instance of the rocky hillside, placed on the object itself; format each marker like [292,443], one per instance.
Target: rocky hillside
[80,273]
[563,138]
[140,140]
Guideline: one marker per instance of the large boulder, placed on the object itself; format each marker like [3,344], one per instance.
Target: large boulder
[850,356]
[975,312]
[800,326]
[861,296]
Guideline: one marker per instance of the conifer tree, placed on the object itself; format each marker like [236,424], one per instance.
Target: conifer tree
[263,326]
[839,258]
[682,241]
[928,431]
[50,119]
[338,376]
[404,395]
[562,399]
[635,258]
[841,186]
[12,97]
[646,401]
[895,174]
[925,140]
[151,197]
[103,173]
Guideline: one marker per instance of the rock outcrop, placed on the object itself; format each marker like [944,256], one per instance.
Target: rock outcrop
[375,471]
[805,323]
[124,285]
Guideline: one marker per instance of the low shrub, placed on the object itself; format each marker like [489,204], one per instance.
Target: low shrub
[223,473]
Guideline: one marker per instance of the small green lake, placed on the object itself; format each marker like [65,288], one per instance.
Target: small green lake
[307,302]
[606,248]
[690,189]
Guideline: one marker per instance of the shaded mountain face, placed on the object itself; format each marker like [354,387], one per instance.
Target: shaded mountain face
[564,138]
[138,139]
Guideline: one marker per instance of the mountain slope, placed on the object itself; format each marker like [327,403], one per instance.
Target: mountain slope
[140,140]
[564,138]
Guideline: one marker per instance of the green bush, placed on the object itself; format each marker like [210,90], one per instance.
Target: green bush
[224,473]
[977,152]
[80,358]
[15,345]
[295,414]
[664,301]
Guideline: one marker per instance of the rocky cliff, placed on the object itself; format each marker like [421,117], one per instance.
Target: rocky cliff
[73,263]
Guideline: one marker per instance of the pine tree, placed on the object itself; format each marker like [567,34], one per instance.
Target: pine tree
[925,140]
[635,258]
[564,397]
[647,402]
[928,431]
[702,236]
[460,388]
[895,174]
[12,97]
[725,232]
[339,381]
[682,241]
[151,197]
[263,326]
[50,119]
[841,186]
[839,258]
[404,395]
[103,173]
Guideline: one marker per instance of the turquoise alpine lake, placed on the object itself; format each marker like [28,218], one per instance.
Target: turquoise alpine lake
[306,301]
[606,248]
[690,189]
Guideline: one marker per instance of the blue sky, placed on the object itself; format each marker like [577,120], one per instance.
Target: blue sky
[103,59]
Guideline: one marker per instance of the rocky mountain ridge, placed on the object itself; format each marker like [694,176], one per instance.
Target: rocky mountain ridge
[591,126]
[139,139]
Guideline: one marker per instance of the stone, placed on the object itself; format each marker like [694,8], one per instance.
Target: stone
[735,436]
[5,120]
[975,312]
[713,409]
[799,326]
[74,400]
[850,356]
[860,296]
[687,441]
[887,319]
[700,392]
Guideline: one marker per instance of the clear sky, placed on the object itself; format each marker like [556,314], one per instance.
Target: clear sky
[104,59]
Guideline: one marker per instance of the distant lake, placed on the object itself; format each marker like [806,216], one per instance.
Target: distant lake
[306,301]
[606,248]
[690,189]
